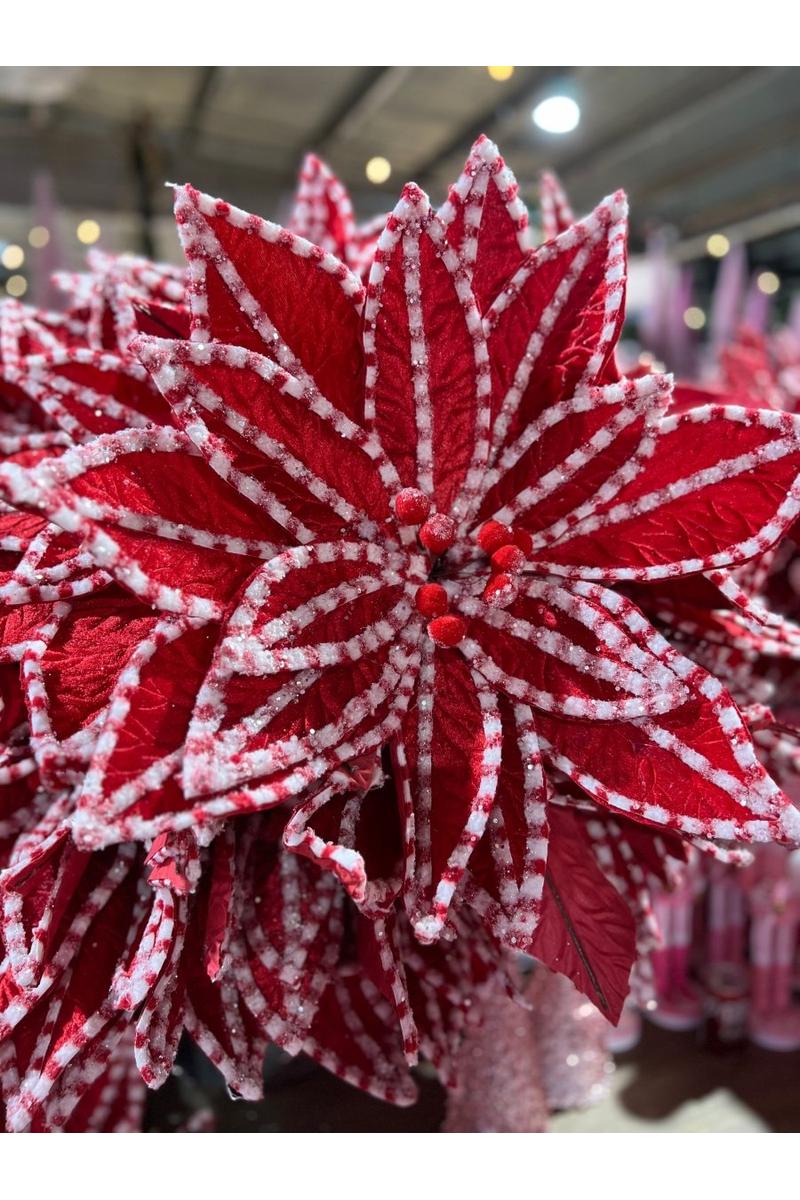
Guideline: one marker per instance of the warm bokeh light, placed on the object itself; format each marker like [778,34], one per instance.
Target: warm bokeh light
[718,245]
[16,286]
[378,169]
[12,257]
[88,232]
[39,236]
[501,74]
[694,317]
[768,283]
[557,114]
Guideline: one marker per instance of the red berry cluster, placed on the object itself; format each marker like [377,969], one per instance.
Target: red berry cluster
[508,550]
[437,534]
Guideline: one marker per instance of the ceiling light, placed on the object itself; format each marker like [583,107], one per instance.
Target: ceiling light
[557,114]
[500,74]
[768,283]
[88,232]
[12,257]
[718,245]
[378,169]
[694,318]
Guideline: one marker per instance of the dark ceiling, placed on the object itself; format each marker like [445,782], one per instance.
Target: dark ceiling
[699,148]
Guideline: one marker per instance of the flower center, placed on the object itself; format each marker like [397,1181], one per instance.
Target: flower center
[507,549]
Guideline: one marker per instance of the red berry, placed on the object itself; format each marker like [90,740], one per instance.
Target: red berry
[448,630]
[431,600]
[493,535]
[411,506]
[438,533]
[501,591]
[508,558]
[524,540]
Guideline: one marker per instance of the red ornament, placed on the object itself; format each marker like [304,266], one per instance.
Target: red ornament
[508,558]
[431,600]
[493,535]
[501,591]
[438,533]
[448,630]
[411,506]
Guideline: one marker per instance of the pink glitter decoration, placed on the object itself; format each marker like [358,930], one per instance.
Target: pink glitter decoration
[500,1087]
[571,1035]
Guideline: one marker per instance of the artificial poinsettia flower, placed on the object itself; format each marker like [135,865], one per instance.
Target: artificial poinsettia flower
[415,536]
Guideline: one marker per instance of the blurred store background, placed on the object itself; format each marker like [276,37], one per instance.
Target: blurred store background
[708,156]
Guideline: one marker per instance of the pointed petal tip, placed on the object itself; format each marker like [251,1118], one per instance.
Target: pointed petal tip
[413,201]
[315,168]
[149,348]
[618,203]
[485,148]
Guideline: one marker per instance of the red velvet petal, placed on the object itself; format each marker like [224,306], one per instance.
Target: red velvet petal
[568,653]
[554,326]
[453,746]
[486,222]
[316,662]
[154,514]
[322,212]
[131,779]
[88,393]
[256,285]
[579,452]
[693,770]
[586,931]
[508,865]
[427,364]
[305,465]
[69,677]
[720,486]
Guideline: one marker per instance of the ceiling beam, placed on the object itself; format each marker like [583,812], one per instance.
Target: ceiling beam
[773,134]
[647,131]
[358,98]
[371,102]
[197,107]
